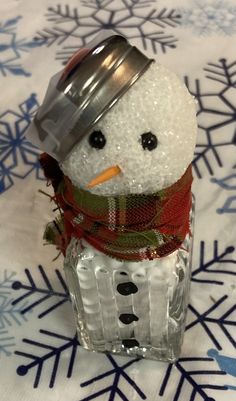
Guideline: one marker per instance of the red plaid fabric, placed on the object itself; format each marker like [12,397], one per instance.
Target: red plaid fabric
[131,227]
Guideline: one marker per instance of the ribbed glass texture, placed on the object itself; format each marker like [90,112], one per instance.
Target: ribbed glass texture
[127,308]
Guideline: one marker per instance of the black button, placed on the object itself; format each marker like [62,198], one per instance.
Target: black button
[97,140]
[130,343]
[127,288]
[149,141]
[128,318]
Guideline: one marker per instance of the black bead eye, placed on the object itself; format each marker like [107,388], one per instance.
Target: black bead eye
[149,141]
[97,140]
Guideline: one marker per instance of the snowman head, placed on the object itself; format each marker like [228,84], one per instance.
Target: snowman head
[148,135]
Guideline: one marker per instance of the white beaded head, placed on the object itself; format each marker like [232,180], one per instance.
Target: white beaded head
[159,105]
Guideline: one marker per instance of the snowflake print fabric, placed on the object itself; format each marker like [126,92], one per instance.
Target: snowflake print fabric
[11,48]
[209,17]
[142,20]
[40,356]
[18,158]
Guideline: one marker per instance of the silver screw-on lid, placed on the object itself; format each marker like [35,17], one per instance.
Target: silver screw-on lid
[94,79]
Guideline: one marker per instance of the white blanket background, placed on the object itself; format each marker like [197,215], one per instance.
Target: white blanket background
[39,355]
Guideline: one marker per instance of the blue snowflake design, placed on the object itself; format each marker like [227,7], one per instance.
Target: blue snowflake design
[191,371]
[71,28]
[11,48]
[7,343]
[55,353]
[227,183]
[214,270]
[6,282]
[18,157]
[52,353]
[41,294]
[114,390]
[208,17]
[10,316]
[216,116]
[207,320]
[226,364]
[188,377]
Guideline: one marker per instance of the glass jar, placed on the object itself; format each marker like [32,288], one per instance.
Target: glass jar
[129,308]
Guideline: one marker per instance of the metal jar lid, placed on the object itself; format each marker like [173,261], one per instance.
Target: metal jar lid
[93,81]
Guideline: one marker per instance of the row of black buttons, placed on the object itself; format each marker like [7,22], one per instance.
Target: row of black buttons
[128,288]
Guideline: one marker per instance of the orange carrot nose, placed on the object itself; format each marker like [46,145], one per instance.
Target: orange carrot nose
[104,176]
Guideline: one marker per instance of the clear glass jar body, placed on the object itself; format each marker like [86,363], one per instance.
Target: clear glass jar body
[129,308]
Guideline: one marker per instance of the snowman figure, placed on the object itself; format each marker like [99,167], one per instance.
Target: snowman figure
[125,198]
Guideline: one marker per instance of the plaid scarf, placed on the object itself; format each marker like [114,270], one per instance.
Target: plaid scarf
[126,227]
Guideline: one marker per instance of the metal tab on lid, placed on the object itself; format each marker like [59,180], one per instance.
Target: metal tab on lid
[93,81]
